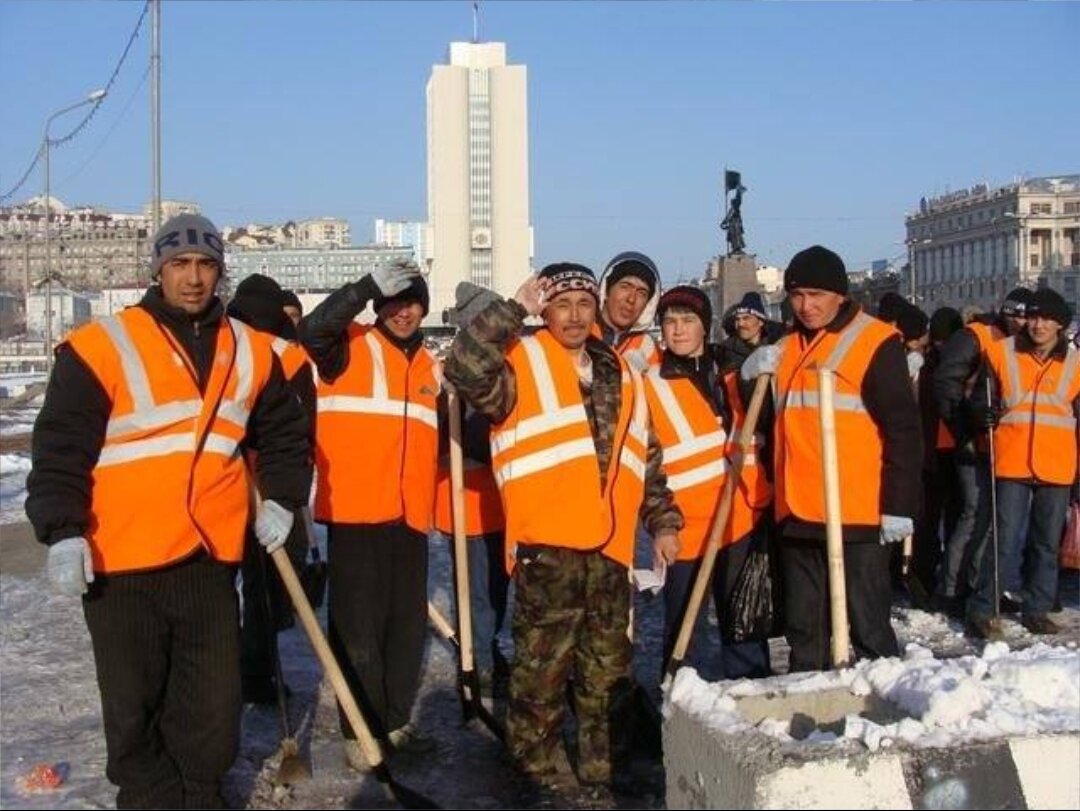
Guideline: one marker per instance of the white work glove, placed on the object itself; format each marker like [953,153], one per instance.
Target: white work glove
[272,525]
[392,279]
[70,566]
[895,528]
[915,361]
[762,361]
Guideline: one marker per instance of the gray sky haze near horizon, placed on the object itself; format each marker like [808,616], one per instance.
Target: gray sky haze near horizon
[840,116]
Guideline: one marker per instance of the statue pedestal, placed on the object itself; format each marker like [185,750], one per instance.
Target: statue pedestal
[729,278]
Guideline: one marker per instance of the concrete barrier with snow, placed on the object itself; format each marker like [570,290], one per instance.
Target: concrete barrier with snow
[1001,730]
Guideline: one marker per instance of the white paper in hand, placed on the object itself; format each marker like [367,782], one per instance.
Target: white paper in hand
[651,580]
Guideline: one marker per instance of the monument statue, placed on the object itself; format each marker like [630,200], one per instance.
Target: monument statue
[733,224]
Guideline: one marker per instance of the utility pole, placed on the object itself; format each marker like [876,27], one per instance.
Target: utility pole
[155,112]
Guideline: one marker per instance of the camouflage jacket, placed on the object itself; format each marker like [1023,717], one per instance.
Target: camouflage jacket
[477,366]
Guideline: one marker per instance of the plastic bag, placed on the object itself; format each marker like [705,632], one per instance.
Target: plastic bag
[754,608]
[1070,541]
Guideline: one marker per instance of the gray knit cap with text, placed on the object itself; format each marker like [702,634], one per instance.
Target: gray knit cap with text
[186,233]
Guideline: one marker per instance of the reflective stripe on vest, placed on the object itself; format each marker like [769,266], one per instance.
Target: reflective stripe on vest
[755,492]
[1036,436]
[544,457]
[798,432]
[169,476]
[694,443]
[376,435]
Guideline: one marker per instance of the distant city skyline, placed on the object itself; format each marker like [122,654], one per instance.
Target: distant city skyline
[839,116]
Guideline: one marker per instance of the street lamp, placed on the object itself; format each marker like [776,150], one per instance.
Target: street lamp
[46,144]
[911,244]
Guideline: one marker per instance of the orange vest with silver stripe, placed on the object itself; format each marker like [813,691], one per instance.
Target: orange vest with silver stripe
[1036,437]
[291,355]
[376,436]
[483,505]
[754,493]
[694,443]
[986,334]
[170,477]
[641,342]
[799,484]
[544,457]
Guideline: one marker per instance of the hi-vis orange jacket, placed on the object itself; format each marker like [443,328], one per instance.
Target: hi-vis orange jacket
[168,445]
[638,342]
[483,505]
[376,436]
[986,334]
[544,457]
[1036,437]
[292,356]
[799,485]
[695,444]
[755,492]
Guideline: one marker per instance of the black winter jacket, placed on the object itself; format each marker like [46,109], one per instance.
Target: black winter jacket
[70,428]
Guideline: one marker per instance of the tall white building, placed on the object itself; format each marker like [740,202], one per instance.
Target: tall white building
[478,173]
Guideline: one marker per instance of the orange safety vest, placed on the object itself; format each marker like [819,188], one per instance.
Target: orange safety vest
[376,436]
[292,356]
[483,505]
[986,334]
[945,440]
[641,340]
[694,443]
[755,491]
[800,489]
[1036,437]
[544,457]
[170,476]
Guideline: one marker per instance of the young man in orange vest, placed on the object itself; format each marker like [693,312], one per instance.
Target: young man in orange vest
[1036,378]
[692,410]
[140,490]
[259,303]
[629,290]
[961,359]
[880,453]
[376,449]
[576,466]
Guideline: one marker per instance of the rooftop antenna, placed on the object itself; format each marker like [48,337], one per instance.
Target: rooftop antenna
[475,22]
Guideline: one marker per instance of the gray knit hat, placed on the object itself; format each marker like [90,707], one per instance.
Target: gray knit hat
[186,233]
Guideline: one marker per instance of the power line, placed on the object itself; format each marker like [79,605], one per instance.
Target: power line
[86,119]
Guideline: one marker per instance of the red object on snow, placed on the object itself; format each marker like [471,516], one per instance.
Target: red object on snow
[43,777]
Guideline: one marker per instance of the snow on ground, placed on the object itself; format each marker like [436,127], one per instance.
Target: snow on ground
[945,702]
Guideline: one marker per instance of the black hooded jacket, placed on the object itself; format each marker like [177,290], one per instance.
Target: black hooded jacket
[70,429]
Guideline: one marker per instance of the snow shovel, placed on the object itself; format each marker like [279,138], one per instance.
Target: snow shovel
[406,797]
[720,521]
[292,768]
[443,626]
[834,531]
[471,704]
[993,505]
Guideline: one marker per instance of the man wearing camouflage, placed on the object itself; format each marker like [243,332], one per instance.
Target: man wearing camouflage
[576,464]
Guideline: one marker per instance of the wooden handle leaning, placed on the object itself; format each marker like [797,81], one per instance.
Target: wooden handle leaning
[834,531]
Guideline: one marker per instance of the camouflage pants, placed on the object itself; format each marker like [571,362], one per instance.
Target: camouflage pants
[571,611]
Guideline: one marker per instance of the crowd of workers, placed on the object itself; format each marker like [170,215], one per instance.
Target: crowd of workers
[180,438]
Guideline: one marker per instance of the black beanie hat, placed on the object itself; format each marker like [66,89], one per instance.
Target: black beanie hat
[693,299]
[817,268]
[889,307]
[752,304]
[186,233]
[566,276]
[911,321]
[1016,302]
[944,322]
[416,291]
[632,263]
[1048,303]
[257,302]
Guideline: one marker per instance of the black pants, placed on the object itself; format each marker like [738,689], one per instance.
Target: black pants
[166,650]
[378,617]
[806,601]
[259,575]
[942,501]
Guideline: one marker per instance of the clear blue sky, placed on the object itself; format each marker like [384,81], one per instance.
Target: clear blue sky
[840,116]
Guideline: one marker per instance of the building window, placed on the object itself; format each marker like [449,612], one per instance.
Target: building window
[1072,207]
[1040,208]
[1034,260]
